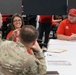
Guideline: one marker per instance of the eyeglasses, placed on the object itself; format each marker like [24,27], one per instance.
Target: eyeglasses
[72,15]
[16,20]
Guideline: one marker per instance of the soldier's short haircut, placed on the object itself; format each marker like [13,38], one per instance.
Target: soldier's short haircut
[28,33]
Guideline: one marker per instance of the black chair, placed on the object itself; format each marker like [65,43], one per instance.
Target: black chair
[54,31]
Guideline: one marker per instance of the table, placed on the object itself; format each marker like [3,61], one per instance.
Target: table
[60,52]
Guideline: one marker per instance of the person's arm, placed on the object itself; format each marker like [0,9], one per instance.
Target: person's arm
[14,35]
[41,61]
[34,68]
[68,38]
[37,66]
[40,56]
[9,36]
[56,21]
[62,37]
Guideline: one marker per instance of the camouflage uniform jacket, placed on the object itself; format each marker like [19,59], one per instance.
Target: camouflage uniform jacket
[14,60]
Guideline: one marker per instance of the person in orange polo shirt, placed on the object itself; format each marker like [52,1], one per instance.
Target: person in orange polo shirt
[67,28]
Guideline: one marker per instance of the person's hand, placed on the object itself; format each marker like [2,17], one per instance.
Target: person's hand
[72,37]
[16,33]
[36,46]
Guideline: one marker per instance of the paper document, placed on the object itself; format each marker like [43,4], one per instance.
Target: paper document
[63,63]
[57,50]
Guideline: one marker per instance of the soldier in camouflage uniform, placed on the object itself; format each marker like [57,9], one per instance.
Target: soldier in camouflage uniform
[14,58]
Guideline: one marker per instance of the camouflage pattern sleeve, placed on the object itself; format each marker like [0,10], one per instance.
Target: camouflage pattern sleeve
[11,38]
[33,67]
[42,63]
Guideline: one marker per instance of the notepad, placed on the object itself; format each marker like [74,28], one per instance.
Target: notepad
[57,50]
[61,63]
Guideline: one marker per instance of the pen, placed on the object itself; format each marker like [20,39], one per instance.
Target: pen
[49,54]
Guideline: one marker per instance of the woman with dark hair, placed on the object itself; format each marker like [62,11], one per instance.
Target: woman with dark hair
[16,23]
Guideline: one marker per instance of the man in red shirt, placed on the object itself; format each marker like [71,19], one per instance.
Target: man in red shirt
[67,28]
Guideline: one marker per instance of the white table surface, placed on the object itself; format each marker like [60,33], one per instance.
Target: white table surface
[68,55]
